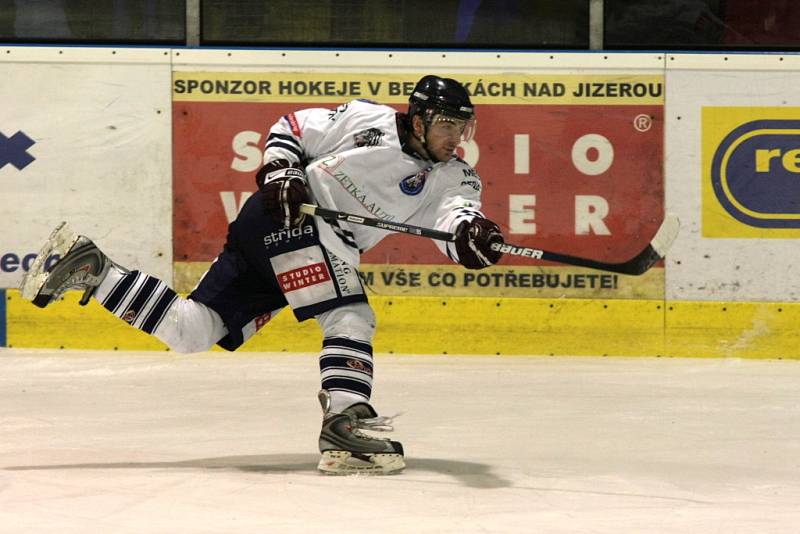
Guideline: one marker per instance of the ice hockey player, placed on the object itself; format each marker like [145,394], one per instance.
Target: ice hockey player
[362,158]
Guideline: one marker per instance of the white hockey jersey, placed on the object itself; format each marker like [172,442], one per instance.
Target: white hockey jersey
[356,164]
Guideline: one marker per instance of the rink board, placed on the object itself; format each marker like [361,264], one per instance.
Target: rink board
[728,287]
[504,326]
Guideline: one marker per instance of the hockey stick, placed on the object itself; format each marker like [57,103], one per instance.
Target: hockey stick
[327,214]
[655,250]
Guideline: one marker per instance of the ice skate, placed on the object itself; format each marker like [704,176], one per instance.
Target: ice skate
[81,266]
[346,450]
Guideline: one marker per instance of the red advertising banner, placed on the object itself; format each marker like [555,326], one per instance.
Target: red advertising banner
[579,178]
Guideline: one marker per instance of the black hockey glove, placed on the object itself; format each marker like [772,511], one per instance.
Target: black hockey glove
[473,243]
[284,188]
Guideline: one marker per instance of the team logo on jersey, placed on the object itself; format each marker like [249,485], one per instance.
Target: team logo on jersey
[370,137]
[412,185]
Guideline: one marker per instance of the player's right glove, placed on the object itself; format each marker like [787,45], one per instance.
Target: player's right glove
[474,241]
[284,187]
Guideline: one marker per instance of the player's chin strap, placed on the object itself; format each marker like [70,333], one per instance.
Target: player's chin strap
[423,141]
[424,144]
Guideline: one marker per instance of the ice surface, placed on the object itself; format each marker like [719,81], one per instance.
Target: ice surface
[124,442]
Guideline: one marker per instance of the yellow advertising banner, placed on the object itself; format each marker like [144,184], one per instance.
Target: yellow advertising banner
[394,88]
[498,281]
[751,172]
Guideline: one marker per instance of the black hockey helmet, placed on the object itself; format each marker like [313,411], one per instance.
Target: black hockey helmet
[433,95]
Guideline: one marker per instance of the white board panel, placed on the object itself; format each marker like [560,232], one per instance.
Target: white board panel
[716,256]
[88,142]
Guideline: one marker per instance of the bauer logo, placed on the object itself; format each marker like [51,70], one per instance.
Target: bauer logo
[755,171]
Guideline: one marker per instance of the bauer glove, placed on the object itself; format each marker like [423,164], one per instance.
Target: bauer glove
[284,187]
[474,241]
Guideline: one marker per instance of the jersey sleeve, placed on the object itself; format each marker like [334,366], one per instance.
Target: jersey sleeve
[307,134]
[461,202]
[299,137]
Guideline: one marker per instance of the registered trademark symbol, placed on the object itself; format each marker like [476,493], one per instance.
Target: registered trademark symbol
[642,122]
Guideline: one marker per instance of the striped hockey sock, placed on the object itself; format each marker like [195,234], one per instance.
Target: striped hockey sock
[137,298]
[346,368]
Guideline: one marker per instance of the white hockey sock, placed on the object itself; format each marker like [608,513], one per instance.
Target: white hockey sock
[345,362]
[190,326]
[342,399]
[346,369]
[137,298]
[148,304]
[113,276]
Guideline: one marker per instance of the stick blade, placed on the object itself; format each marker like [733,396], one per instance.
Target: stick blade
[666,235]
[655,250]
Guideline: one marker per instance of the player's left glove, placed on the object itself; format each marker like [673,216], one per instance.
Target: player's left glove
[474,241]
[284,188]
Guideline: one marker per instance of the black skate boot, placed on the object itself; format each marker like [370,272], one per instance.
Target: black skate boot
[345,450]
[82,266]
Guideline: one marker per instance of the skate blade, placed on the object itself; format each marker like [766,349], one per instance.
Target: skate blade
[343,463]
[59,242]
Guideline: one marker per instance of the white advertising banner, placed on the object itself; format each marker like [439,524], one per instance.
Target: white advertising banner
[85,136]
[732,169]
